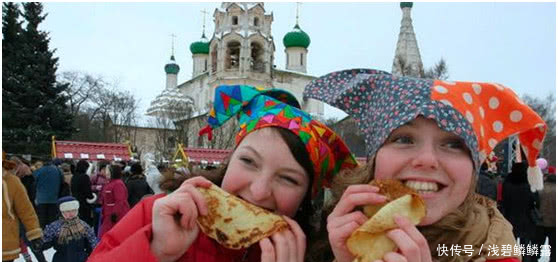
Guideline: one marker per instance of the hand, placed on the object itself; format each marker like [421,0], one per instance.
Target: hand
[411,243]
[98,187]
[174,219]
[113,218]
[343,220]
[286,245]
[37,244]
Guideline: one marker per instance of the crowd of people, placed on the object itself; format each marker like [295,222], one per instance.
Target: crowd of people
[431,135]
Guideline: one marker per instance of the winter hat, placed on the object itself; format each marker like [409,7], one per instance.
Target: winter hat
[482,114]
[258,108]
[136,169]
[68,203]
[7,164]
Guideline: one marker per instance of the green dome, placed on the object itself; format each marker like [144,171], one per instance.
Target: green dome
[406,4]
[200,47]
[296,38]
[172,67]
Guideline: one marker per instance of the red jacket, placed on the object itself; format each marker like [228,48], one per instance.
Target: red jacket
[114,197]
[129,241]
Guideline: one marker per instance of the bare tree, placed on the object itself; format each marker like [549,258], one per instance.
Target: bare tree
[82,86]
[438,71]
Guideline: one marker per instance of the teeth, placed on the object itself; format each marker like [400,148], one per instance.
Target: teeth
[422,186]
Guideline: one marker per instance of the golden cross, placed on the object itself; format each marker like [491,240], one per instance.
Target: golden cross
[172,42]
[297,7]
[204,13]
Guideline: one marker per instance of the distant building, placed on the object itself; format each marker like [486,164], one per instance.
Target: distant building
[240,51]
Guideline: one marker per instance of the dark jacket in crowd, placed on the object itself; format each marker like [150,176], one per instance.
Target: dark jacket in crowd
[81,190]
[48,181]
[137,188]
[76,249]
[517,202]
[487,185]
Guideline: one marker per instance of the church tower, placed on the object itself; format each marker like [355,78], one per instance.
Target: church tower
[242,45]
[407,59]
[172,69]
[296,44]
[200,53]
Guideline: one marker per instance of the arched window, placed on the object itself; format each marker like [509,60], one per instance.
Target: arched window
[232,58]
[256,21]
[205,65]
[235,20]
[256,54]
[301,59]
[214,59]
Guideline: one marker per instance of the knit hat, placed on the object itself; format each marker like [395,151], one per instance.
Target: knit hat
[258,108]
[68,203]
[7,164]
[482,114]
[136,168]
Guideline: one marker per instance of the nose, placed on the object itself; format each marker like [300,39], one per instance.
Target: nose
[425,157]
[261,188]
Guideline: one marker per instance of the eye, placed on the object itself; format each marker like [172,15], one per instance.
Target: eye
[402,139]
[247,161]
[289,179]
[456,144]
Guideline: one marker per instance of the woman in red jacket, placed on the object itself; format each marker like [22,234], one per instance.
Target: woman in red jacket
[114,197]
[283,158]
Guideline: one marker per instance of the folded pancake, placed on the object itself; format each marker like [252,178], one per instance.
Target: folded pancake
[369,242]
[235,223]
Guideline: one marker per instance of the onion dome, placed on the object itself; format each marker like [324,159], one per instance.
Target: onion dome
[406,4]
[200,47]
[296,38]
[172,67]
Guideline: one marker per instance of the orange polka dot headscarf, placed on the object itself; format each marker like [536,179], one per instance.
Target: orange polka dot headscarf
[483,114]
[258,108]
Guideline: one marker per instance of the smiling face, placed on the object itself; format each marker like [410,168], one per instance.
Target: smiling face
[434,162]
[263,171]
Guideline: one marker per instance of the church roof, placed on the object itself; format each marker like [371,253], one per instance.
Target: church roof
[172,67]
[296,38]
[170,96]
[201,46]
[406,4]
[407,55]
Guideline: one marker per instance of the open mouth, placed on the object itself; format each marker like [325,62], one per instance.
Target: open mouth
[424,187]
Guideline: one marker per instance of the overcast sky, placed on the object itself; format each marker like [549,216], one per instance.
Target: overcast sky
[510,43]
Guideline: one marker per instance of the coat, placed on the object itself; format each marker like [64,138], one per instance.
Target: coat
[76,250]
[48,180]
[130,240]
[548,202]
[81,190]
[16,207]
[114,197]
[137,188]
[97,183]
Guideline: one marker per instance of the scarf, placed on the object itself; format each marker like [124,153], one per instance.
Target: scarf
[483,228]
[71,229]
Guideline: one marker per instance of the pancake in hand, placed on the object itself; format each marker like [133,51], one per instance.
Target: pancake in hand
[369,242]
[234,222]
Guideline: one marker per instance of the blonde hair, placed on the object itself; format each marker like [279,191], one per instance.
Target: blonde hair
[451,229]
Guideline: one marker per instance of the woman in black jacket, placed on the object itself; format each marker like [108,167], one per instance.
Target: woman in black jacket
[137,185]
[81,190]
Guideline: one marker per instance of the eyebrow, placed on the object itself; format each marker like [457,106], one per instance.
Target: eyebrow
[286,169]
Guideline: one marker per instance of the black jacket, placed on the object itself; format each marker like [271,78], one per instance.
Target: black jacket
[137,188]
[81,190]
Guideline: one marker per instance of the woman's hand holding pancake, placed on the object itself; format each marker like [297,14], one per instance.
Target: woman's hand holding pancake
[286,245]
[343,220]
[174,219]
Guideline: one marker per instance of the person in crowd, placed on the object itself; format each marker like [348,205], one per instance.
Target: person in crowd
[137,185]
[72,238]
[547,226]
[153,177]
[432,136]
[48,181]
[28,180]
[275,165]
[487,184]
[81,190]
[114,197]
[98,180]
[16,210]
[518,202]
[65,188]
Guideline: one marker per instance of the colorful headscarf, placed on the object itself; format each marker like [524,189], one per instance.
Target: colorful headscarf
[258,108]
[482,114]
